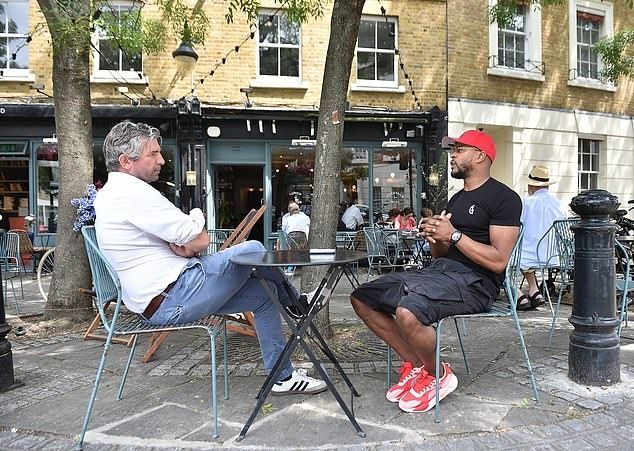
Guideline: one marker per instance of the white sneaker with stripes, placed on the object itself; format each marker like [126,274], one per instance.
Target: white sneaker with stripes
[299,384]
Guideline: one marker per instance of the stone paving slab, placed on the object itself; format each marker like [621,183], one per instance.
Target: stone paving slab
[166,401]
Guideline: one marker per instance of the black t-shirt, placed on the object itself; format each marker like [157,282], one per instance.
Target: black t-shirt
[472,212]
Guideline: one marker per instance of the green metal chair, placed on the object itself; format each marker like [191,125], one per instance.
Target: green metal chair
[501,308]
[107,289]
[624,282]
[565,244]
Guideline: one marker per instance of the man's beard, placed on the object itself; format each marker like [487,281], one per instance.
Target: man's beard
[461,173]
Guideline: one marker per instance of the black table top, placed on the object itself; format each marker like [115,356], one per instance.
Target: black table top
[298,258]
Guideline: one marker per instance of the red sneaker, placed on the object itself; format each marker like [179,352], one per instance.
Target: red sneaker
[422,396]
[409,374]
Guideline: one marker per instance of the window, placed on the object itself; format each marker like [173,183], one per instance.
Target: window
[588,164]
[279,44]
[512,41]
[376,58]
[110,62]
[590,22]
[14,51]
[515,50]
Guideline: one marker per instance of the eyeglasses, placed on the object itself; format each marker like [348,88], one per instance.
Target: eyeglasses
[461,149]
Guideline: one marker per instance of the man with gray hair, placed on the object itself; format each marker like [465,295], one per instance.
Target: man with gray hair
[153,247]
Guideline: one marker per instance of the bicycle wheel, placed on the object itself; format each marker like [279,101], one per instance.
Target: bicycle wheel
[45,272]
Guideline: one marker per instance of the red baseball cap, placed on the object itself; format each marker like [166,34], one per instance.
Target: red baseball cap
[473,138]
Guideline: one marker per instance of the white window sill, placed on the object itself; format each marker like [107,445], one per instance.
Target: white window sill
[119,78]
[22,77]
[501,71]
[279,84]
[592,84]
[356,87]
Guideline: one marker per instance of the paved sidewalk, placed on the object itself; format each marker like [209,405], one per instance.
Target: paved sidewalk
[166,402]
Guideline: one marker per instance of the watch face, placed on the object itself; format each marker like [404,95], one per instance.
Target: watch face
[456,235]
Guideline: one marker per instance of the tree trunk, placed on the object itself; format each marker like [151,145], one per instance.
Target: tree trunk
[344,29]
[71,86]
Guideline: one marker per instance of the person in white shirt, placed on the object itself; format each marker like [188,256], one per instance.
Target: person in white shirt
[539,210]
[153,246]
[352,217]
[296,225]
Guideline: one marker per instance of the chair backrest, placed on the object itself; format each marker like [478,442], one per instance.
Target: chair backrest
[624,261]
[512,272]
[565,241]
[26,246]
[283,237]
[217,238]
[241,232]
[377,241]
[11,252]
[104,278]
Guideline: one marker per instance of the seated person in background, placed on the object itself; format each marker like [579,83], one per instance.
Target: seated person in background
[352,217]
[296,225]
[540,209]
[405,220]
[341,226]
[153,247]
[392,215]
[471,244]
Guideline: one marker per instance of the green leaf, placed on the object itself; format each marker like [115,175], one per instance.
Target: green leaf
[616,55]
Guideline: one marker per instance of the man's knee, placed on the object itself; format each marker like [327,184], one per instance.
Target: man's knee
[406,318]
[251,246]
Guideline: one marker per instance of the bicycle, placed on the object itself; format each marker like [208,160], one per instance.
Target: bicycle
[45,272]
[626,225]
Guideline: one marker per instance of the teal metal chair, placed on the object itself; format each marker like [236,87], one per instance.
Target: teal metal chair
[624,282]
[217,238]
[378,248]
[501,308]
[11,266]
[565,244]
[107,289]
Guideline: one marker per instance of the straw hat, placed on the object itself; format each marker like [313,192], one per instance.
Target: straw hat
[540,176]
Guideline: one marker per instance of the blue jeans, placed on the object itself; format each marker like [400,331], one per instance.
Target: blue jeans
[212,285]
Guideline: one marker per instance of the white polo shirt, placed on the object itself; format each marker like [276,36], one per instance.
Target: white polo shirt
[134,226]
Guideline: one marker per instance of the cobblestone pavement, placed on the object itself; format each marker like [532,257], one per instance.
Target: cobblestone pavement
[165,405]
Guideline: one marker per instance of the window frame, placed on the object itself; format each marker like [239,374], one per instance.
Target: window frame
[378,84]
[14,74]
[115,76]
[277,80]
[593,142]
[532,48]
[597,8]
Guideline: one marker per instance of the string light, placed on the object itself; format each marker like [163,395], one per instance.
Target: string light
[401,64]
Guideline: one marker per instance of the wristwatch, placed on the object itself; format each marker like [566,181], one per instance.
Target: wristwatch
[455,236]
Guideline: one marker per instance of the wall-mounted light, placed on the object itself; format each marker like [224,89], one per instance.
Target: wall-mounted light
[247,91]
[185,55]
[304,141]
[377,180]
[392,175]
[190,178]
[433,178]
[394,142]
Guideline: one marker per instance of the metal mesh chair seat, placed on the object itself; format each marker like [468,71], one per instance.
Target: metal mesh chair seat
[107,290]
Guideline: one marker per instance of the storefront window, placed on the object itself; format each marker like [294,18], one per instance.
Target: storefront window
[47,188]
[394,184]
[165,184]
[292,180]
[293,173]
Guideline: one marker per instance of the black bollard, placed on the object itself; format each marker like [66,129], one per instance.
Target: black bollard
[593,357]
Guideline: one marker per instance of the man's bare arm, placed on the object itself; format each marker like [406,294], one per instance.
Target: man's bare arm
[192,247]
[493,257]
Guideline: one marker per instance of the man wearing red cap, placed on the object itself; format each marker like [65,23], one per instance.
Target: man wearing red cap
[471,242]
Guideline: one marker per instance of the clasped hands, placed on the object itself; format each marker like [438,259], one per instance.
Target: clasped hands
[438,228]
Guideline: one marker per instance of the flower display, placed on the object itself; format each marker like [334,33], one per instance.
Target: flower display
[85,208]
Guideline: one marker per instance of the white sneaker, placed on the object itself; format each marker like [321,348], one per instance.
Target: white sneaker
[300,384]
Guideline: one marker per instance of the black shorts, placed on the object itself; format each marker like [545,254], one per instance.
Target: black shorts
[442,289]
